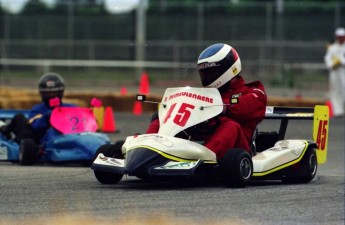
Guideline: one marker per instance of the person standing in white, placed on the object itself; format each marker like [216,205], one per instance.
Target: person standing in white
[335,63]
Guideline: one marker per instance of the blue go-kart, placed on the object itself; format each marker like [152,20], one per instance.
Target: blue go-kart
[77,142]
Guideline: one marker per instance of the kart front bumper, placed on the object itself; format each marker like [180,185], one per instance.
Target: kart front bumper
[144,162]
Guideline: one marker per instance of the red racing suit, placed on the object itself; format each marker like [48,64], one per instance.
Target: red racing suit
[245,108]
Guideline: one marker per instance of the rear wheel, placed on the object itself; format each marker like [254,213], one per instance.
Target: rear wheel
[28,151]
[307,169]
[236,168]
[113,151]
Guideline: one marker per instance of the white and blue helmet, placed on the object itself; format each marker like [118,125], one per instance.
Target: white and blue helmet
[218,64]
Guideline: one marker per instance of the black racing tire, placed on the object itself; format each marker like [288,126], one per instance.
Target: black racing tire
[28,152]
[111,150]
[307,171]
[236,168]
[117,149]
[107,178]
[108,150]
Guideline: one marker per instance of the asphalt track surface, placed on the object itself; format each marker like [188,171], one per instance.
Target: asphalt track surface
[48,190]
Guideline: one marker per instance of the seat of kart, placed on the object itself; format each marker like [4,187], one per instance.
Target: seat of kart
[259,142]
[262,140]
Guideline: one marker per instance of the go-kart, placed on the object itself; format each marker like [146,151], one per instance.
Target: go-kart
[167,156]
[76,143]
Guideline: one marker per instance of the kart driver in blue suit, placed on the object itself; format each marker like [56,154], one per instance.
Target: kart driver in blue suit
[51,88]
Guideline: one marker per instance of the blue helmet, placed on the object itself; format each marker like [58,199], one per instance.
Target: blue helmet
[218,64]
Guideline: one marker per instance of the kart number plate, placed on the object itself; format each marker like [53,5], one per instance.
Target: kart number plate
[3,153]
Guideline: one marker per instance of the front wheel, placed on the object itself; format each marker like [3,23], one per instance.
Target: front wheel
[28,152]
[108,150]
[236,168]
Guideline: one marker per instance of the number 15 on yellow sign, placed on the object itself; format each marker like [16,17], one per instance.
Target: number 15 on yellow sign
[320,131]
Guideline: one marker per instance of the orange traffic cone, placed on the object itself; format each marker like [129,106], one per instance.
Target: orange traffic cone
[123,91]
[144,87]
[137,109]
[330,108]
[109,125]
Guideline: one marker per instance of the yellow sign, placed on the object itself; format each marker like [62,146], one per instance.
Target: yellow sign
[99,115]
[320,131]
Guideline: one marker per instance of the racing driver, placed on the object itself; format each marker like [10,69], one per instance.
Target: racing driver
[51,86]
[219,66]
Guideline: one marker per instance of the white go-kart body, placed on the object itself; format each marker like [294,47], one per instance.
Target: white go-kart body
[166,155]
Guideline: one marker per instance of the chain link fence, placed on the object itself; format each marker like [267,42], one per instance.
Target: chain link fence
[284,47]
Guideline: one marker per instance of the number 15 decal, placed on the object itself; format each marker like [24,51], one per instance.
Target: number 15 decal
[322,134]
[320,131]
[182,116]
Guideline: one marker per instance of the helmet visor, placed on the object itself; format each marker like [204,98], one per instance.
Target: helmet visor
[209,75]
[47,95]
